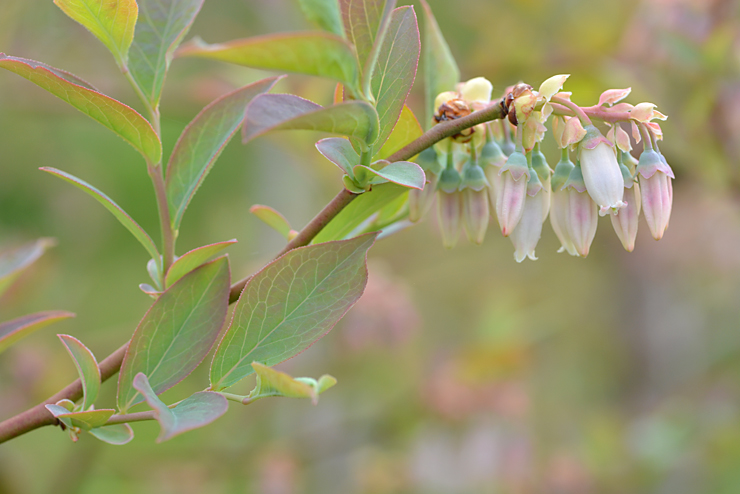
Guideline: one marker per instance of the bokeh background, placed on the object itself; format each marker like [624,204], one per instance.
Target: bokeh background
[459,371]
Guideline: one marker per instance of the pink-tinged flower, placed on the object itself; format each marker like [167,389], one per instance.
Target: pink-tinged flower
[475,214]
[420,201]
[656,191]
[581,218]
[601,172]
[560,206]
[529,228]
[513,191]
[625,223]
[449,210]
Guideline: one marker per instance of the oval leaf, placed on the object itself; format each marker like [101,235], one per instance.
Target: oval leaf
[440,69]
[395,70]
[323,13]
[273,219]
[13,262]
[312,53]
[289,304]
[358,211]
[12,331]
[269,112]
[161,27]
[84,420]
[121,215]
[403,173]
[119,118]
[177,332]
[117,434]
[87,369]
[196,411]
[361,22]
[340,152]
[191,260]
[201,143]
[112,22]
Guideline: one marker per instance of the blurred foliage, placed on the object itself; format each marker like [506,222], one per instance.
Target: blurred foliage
[459,372]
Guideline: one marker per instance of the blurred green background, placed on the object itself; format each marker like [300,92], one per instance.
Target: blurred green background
[459,372]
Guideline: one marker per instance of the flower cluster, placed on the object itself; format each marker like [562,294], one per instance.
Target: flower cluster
[498,168]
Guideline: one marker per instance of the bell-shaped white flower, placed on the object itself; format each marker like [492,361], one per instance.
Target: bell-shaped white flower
[512,193]
[656,190]
[601,173]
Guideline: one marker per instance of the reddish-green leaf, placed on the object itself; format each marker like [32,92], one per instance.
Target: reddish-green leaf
[340,152]
[87,369]
[395,70]
[323,13]
[177,332]
[117,434]
[196,411]
[162,26]
[201,144]
[121,215]
[13,262]
[407,129]
[273,219]
[88,419]
[12,331]
[191,260]
[111,21]
[440,69]
[359,211]
[404,173]
[312,53]
[119,118]
[289,304]
[361,22]
[268,112]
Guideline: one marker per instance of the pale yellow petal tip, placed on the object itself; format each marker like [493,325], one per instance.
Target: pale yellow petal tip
[477,89]
[552,85]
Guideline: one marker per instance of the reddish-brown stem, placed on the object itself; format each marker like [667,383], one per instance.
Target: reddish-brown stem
[38,416]
[597,112]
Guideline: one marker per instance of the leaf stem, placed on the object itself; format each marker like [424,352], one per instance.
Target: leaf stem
[125,418]
[39,416]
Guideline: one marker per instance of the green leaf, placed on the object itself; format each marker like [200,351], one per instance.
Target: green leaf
[14,262]
[271,382]
[162,26]
[12,331]
[87,369]
[403,173]
[289,304]
[85,420]
[119,118]
[121,215]
[440,69]
[395,70]
[196,411]
[273,219]
[312,53]
[358,211]
[117,434]
[407,129]
[201,143]
[340,152]
[177,332]
[323,13]
[191,260]
[268,112]
[361,22]
[112,22]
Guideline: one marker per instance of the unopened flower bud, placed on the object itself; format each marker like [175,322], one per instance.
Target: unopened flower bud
[528,230]
[601,172]
[656,190]
[510,200]
[582,218]
[560,205]
[625,223]
[475,202]
[449,210]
